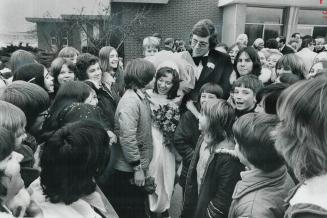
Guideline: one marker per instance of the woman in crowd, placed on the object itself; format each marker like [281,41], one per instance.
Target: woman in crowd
[162,166]
[71,159]
[62,70]
[112,72]
[35,73]
[272,55]
[134,153]
[215,168]
[14,199]
[301,139]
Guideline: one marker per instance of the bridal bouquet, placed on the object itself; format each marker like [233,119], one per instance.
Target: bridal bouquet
[166,118]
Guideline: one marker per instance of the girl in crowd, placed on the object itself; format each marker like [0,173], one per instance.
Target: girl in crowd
[301,139]
[69,53]
[134,153]
[112,72]
[290,63]
[72,158]
[317,69]
[14,199]
[246,62]
[62,70]
[69,93]
[162,166]
[35,73]
[20,58]
[215,168]
[34,102]
[88,69]
[187,131]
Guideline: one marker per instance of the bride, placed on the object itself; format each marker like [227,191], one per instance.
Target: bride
[162,166]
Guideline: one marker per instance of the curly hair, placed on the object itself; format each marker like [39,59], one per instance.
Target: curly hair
[84,61]
[256,70]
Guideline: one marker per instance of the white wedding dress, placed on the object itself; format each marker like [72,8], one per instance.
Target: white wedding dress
[162,165]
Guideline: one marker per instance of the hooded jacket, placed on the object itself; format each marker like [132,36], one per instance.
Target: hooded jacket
[260,194]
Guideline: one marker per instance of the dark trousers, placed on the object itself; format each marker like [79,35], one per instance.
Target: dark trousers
[128,200]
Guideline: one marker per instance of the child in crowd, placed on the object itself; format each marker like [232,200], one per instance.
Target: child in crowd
[151,46]
[244,93]
[13,119]
[69,53]
[290,63]
[187,131]
[215,168]
[266,183]
[134,153]
[62,70]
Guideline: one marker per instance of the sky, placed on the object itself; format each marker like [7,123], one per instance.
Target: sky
[13,12]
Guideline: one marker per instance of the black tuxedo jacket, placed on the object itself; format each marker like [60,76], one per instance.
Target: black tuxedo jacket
[217,70]
[287,50]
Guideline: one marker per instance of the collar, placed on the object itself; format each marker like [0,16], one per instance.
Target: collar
[206,54]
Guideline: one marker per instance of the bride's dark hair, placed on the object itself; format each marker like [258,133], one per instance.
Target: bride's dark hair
[163,72]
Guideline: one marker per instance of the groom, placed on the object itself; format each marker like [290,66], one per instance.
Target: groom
[212,66]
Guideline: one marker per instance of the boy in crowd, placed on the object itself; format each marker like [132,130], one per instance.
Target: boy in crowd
[151,46]
[266,183]
[244,93]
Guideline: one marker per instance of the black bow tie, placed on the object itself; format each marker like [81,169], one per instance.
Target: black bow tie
[202,59]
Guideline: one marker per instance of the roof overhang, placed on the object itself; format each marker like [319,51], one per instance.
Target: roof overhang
[276,3]
[43,19]
[142,1]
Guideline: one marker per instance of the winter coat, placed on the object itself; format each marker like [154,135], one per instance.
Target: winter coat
[261,194]
[220,177]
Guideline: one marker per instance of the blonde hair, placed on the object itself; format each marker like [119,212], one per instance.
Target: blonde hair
[11,117]
[301,137]
[68,52]
[151,41]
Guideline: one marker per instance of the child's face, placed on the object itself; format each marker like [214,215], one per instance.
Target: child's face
[244,64]
[232,53]
[164,84]
[203,122]
[281,69]
[207,97]
[94,73]
[150,51]
[65,75]
[244,98]
[262,58]
[72,59]
[20,136]
[92,99]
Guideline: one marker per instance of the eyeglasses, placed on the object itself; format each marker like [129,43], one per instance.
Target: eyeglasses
[199,43]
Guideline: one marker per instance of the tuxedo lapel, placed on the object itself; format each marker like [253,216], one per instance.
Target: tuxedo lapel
[206,71]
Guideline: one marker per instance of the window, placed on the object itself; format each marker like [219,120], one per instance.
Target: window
[312,22]
[263,23]
[64,39]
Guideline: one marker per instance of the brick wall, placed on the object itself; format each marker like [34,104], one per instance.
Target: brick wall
[174,19]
